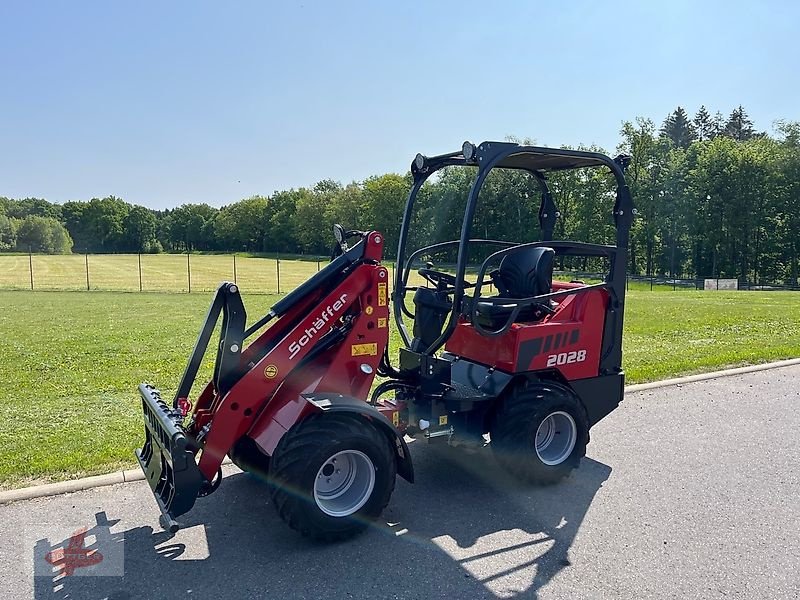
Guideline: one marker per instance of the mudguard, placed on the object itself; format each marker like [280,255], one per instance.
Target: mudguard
[333,402]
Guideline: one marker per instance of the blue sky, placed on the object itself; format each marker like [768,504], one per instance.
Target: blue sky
[168,103]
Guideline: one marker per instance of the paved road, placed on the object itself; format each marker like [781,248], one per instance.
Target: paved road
[687,492]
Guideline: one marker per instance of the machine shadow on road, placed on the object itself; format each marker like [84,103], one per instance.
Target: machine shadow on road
[464,530]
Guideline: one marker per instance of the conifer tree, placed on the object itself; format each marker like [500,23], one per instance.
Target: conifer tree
[678,128]
[704,125]
[739,126]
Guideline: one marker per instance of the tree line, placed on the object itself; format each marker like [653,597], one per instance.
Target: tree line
[715,198]
[292,221]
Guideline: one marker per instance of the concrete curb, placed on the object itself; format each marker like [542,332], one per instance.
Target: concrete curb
[86,483]
[75,485]
[61,487]
[641,387]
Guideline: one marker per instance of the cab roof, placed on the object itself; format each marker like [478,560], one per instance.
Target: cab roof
[509,155]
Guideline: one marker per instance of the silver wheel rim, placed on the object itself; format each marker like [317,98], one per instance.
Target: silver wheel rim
[344,483]
[555,438]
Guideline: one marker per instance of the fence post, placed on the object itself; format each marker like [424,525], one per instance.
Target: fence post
[651,283]
[317,265]
[189,271]
[278,269]
[30,264]
[140,271]
[234,267]
[86,256]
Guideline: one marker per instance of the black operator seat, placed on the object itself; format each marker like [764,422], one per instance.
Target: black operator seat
[523,273]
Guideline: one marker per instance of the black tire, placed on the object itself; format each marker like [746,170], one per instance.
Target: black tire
[299,459]
[246,455]
[515,426]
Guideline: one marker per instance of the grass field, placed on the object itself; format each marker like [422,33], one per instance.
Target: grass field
[70,361]
[159,272]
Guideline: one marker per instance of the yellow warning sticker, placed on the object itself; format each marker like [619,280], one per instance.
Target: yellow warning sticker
[369,310]
[382,294]
[270,372]
[443,420]
[395,418]
[381,323]
[364,349]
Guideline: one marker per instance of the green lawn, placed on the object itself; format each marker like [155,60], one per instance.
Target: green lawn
[70,361]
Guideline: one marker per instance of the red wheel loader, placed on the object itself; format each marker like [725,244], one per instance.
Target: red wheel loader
[511,357]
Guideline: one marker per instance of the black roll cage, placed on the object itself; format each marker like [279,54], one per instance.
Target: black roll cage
[536,161]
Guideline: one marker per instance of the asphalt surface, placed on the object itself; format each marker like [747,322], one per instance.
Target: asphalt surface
[691,491]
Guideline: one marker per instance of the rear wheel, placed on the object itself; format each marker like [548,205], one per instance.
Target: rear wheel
[332,474]
[540,432]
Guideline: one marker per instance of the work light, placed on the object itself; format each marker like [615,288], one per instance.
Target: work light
[468,150]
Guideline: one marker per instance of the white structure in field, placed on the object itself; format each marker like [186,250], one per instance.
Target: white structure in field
[721,284]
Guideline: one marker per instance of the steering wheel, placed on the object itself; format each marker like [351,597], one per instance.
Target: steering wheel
[437,278]
[442,281]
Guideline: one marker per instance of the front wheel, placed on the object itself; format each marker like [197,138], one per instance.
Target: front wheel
[332,474]
[540,432]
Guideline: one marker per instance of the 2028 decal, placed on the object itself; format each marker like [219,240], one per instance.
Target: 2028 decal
[566,358]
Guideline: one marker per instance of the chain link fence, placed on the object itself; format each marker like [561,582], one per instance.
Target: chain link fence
[185,273]
[188,273]
[665,282]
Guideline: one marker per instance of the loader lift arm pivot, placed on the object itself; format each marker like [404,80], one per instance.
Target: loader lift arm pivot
[227,301]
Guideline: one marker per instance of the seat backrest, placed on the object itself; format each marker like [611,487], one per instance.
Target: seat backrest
[526,272]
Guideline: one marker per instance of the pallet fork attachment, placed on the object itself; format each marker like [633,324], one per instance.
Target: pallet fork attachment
[167,459]
[168,454]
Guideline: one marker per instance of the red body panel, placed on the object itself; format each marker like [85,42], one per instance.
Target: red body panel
[569,341]
[266,401]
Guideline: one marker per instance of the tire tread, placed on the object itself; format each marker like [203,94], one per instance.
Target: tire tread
[512,433]
[290,460]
